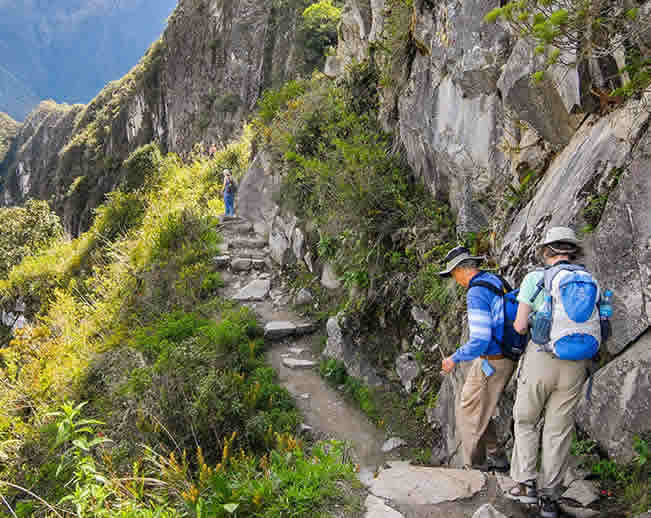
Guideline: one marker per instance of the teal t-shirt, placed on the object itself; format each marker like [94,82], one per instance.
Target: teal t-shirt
[529,287]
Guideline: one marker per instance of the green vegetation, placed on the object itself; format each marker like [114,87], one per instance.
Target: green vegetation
[318,32]
[335,373]
[626,486]
[570,33]
[26,231]
[183,417]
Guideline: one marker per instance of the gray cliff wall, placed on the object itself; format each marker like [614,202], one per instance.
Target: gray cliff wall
[472,124]
[197,84]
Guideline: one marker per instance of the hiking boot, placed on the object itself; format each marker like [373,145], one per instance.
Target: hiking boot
[548,507]
[497,463]
[524,492]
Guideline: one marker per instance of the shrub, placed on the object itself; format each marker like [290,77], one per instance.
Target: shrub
[26,231]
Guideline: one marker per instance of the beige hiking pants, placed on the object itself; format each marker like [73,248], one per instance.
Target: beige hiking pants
[479,399]
[549,388]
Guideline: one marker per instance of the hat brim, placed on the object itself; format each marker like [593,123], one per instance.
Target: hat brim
[570,241]
[458,260]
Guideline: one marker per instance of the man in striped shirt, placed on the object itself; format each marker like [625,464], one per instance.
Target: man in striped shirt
[489,371]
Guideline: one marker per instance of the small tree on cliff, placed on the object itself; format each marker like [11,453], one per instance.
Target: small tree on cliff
[26,231]
[318,32]
[571,32]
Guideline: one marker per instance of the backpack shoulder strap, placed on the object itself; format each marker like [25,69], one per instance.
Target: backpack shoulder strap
[487,285]
[551,273]
[505,284]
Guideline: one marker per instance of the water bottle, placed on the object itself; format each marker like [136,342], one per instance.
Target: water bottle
[605,305]
[542,324]
[605,312]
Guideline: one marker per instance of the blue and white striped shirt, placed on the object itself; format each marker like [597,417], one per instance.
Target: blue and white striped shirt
[485,321]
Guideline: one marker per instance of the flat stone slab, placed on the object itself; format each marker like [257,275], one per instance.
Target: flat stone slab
[582,491]
[377,508]
[248,243]
[392,444]
[297,351]
[295,363]
[487,511]
[280,329]
[417,485]
[256,290]
[241,264]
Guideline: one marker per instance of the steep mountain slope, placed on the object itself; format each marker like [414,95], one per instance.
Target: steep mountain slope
[69,49]
[198,82]
[8,131]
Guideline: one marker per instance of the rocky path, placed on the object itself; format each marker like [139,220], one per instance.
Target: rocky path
[396,489]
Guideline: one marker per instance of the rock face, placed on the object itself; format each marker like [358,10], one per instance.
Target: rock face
[620,406]
[607,151]
[198,83]
[341,347]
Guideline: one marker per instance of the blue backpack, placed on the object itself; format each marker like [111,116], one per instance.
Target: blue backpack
[568,325]
[513,343]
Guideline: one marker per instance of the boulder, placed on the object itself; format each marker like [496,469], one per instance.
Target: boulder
[280,249]
[422,317]
[392,444]
[298,243]
[256,193]
[408,369]
[620,405]
[487,511]
[241,264]
[341,347]
[540,104]
[329,278]
[303,297]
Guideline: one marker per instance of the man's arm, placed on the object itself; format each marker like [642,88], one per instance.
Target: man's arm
[480,324]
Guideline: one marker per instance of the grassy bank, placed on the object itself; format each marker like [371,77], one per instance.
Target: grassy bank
[181,416]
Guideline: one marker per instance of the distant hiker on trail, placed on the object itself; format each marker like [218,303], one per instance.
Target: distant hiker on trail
[212,151]
[490,370]
[229,193]
[561,305]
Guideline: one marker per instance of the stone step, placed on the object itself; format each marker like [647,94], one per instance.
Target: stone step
[255,243]
[279,329]
[294,363]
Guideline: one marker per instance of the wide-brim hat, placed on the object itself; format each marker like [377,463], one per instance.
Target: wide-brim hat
[560,235]
[455,257]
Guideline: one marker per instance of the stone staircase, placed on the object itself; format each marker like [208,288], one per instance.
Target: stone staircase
[250,278]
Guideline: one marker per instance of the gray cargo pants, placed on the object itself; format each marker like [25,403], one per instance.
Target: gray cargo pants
[550,388]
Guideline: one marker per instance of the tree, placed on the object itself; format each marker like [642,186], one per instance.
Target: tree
[26,231]
[570,32]
[318,32]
